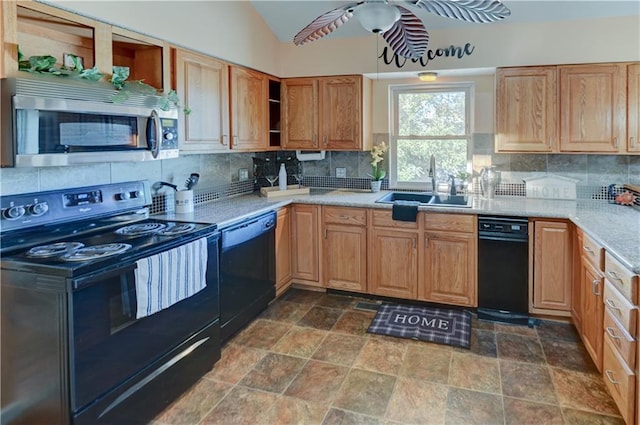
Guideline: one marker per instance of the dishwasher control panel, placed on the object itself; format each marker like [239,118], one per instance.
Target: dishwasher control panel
[509,227]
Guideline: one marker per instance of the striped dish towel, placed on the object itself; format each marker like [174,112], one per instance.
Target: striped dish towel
[166,278]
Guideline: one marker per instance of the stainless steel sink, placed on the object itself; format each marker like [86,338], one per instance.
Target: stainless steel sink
[428,199]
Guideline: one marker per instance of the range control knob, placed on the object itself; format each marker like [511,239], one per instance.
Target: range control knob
[169,136]
[123,196]
[38,209]
[136,194]
[13,213]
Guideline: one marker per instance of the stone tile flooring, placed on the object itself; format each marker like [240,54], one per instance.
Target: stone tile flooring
[308,360]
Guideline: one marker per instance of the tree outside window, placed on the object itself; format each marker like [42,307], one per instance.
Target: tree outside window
[429,120]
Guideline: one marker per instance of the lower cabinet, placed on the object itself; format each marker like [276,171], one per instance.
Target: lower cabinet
[393,256]
[552,267]
[448,269]
[344,248]
[283,250]
[592,309]
[305,258]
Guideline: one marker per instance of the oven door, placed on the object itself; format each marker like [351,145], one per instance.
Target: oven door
[110,346]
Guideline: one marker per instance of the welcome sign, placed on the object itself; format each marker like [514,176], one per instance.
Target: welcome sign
[389,57]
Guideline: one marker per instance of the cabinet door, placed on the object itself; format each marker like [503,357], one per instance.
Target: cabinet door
[306,250]
[592,312]
[300,106]
[633,109]
[202,83]
[526,109]
[249,115]
[593,108]
[393,263]
[449,274]
[283,250]
[552,264]
[344,257]
[576,282]
[341,113]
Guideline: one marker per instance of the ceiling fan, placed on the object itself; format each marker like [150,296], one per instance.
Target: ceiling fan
[403,31]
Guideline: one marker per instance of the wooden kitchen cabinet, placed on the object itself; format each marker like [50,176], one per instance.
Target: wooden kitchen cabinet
[249,91]
[593,108]
[305,229]
[633,108]
[449,260]
[393,256]
[526,115]
[326,113]
[552,267]
[283,250]
[202,83]
[344,248]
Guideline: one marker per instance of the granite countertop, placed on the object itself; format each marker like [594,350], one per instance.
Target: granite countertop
[616,227]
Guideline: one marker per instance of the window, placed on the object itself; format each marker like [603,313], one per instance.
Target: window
[429,120]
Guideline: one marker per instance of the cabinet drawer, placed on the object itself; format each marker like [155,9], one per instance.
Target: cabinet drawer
[450,222]
[622,278]
[620,339]
[620,380]
[382,218]
[620,308]
[341,215]
[592,251]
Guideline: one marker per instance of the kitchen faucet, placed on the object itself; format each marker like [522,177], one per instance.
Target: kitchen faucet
[432,173]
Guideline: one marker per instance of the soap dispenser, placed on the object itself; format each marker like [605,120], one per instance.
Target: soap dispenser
[282,178]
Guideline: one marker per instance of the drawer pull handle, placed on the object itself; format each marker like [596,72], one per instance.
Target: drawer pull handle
[611,333]
[594,287]
[613,305]
[587,249]
[344,217]
[609,376]
[614,275]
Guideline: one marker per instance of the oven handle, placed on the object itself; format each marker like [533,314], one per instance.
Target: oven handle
[175,359]
[86,281]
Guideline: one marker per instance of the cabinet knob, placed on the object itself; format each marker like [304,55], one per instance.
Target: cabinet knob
[594,287]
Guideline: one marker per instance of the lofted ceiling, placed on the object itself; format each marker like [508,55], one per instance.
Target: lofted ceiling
[287,17]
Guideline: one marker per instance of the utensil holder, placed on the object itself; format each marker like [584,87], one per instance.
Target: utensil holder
[184,201]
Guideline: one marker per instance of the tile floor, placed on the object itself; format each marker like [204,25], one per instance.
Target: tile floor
[308,360]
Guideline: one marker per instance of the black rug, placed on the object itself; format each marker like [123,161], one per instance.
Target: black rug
[438,325]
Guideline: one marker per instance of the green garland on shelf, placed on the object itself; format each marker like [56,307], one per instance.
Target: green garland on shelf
[46,65]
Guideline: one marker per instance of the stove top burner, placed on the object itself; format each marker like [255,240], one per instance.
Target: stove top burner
[177,229]
[53,250]
[140,229]
[97,251]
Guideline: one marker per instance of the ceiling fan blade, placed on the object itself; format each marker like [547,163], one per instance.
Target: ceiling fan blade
[477,11]
[325,24]
[407,37]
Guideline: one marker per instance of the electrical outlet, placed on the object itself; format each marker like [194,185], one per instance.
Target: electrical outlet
[243,174]
[341,172]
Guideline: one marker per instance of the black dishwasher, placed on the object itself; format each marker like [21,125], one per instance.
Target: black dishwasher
[503,269]
[247,271]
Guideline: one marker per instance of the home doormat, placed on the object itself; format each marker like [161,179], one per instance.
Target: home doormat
[438,325]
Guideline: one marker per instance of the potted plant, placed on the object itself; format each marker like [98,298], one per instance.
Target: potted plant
[377,174]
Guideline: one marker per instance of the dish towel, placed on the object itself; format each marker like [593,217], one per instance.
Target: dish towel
[171,276]
[405,210]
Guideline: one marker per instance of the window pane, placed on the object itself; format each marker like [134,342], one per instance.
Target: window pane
[413,159]
[431,114]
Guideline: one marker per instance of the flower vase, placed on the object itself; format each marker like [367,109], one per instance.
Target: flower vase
[375,185]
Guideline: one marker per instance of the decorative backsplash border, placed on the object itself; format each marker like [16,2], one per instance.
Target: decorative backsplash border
[165,201]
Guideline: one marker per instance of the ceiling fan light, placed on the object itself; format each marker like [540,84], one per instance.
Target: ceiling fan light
[377,17]
[427,76]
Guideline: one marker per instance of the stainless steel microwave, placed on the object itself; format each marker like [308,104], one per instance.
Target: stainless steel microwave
[78,124]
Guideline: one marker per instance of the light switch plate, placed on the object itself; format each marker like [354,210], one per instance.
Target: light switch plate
[243,174]
[341,172]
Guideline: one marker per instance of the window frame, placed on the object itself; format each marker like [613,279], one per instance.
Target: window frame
[394,91]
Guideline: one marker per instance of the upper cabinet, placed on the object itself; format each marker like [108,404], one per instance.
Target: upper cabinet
[633,108]
[526,109]
[326,113]
[37,29]
[593,108]
[574,108]
[202,83]
[249,109]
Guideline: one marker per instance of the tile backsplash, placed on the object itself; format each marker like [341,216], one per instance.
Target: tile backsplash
[220,169]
